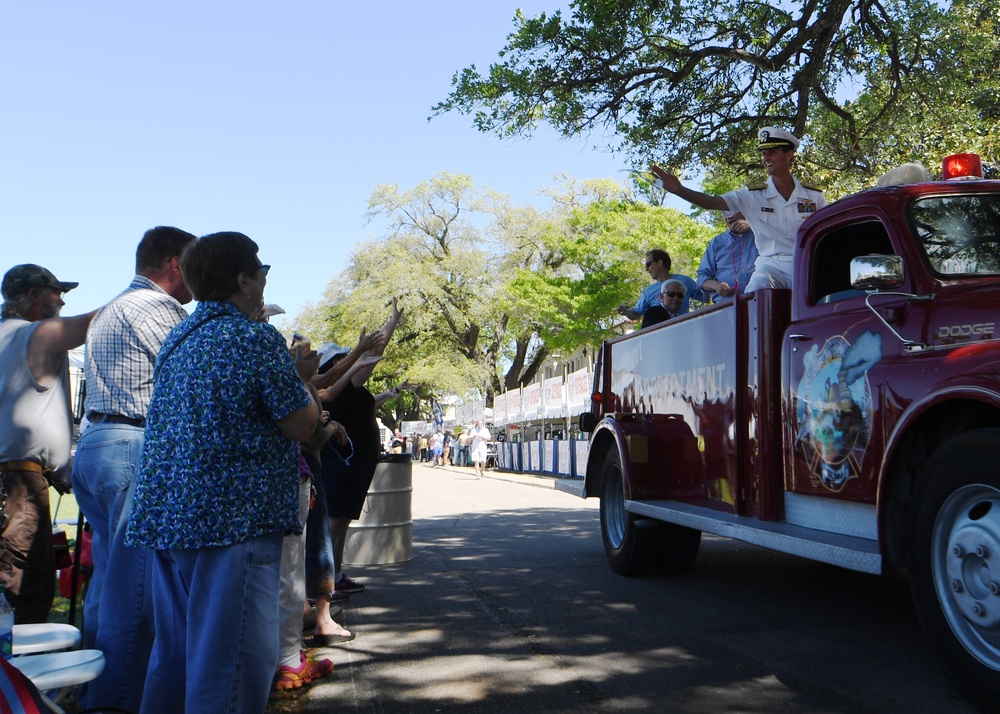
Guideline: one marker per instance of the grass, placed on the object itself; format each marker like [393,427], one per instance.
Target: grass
[66,519]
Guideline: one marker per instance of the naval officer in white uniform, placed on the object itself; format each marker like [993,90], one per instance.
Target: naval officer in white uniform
[774,209]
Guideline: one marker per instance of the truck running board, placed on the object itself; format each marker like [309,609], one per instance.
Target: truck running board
[849,552]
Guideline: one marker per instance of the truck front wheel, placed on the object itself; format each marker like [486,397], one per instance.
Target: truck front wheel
[955,561]
[630,548]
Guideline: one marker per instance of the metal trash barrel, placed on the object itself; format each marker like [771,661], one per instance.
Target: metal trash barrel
[384,532]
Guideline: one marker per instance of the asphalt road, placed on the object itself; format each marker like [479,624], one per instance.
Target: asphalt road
[508,605]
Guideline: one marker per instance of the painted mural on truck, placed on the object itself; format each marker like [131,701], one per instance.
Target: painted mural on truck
[834,408]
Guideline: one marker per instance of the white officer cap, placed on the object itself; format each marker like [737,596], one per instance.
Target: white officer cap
[773,138]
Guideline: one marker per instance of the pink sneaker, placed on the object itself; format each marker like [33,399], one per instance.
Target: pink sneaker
[307,671]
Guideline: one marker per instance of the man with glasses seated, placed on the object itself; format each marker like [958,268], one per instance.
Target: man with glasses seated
[671,297]
[658,267]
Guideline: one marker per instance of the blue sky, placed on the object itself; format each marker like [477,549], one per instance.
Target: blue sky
[274,119]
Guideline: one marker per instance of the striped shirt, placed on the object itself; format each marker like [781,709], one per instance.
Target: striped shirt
[122,345]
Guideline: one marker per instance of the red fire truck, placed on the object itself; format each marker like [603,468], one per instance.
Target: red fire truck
[854,420]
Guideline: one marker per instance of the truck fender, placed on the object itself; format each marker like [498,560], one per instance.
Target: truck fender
[607,435]
[897,474]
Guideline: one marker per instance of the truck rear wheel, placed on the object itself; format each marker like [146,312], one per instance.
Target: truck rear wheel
[631,549]
[955,561]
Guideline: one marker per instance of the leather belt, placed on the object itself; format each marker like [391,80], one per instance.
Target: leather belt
[98,418]
[32,466]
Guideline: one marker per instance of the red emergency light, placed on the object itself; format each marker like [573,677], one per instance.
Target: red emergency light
[597,397]
[962,166]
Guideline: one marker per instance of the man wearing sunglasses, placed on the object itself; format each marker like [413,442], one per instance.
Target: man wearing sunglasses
[36,430]
[672,294]
[658,266]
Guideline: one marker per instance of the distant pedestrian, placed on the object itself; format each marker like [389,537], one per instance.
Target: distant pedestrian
[446,456]
[463,448]
[480,439]
[437,447]
[398,443]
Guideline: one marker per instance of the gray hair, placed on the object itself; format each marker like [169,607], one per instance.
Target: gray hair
[673,281]
[16,306]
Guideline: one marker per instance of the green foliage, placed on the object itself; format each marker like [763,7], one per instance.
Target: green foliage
[489,289]
[689,82]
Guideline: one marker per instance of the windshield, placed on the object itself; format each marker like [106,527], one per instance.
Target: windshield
[960,234]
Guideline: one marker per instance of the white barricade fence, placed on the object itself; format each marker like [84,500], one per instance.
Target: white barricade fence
[563,463]
[580,463]
[549,456]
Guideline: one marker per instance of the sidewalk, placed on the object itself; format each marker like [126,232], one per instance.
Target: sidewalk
[525,479]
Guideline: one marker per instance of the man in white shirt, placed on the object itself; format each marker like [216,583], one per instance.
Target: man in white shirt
[774,209]
[480,439]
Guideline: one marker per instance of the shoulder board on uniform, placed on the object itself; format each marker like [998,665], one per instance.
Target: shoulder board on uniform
[756,186]
[811,186]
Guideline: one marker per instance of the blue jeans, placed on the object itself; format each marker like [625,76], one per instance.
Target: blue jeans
[320,567]
[118,619]
[216,611]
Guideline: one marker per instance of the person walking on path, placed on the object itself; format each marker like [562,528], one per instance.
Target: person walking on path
[479,447]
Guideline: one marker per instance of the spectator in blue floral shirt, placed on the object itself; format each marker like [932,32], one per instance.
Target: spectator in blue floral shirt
[218,486]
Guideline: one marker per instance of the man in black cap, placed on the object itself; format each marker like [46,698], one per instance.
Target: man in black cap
[774,209]
[36,430]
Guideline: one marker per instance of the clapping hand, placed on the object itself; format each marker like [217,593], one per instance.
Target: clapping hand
[306,361]
[368,341]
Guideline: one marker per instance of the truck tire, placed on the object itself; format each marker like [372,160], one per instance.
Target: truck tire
[630,549]
[954,559]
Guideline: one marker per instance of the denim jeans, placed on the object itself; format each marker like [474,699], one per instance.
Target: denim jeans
[117,619]
[216,612]
[320,566]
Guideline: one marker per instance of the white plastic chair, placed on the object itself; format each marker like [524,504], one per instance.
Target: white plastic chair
[44,637]
[55,672]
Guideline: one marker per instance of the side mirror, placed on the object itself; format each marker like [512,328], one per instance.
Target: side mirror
[877,272]
[587,422]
